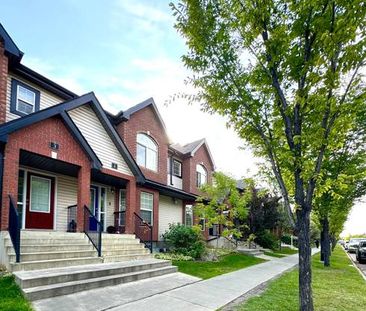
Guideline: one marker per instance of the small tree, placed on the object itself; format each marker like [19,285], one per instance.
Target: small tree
[221,203]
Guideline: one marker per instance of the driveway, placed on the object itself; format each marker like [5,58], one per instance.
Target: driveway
[362,267]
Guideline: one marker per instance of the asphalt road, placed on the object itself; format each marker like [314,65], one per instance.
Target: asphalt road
[361,266]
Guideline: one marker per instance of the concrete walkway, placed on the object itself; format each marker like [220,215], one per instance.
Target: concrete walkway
[173,292]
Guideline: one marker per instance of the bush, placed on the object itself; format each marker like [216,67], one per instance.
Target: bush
[267,240]
[173,256]
[184,240]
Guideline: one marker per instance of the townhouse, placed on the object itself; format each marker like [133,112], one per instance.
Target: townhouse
[67,165]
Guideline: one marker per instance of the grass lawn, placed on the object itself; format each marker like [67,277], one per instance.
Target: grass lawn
[283,252]
[339,287]
[274,254]
[11,298]
[227,263]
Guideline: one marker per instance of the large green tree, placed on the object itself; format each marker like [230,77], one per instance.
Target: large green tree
[287,76]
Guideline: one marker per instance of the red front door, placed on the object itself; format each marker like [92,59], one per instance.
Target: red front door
[40,202]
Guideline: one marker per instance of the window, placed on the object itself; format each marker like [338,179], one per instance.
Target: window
[40,195]
[24,99]
[147,152]
[201,175]
[188,216]
[146,206]
[122,208]
[202,224]
[177,168]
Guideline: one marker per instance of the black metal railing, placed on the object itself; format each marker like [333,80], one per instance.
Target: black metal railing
[14,228]
[72,218]
[120,221]
[93,229]
[143,231]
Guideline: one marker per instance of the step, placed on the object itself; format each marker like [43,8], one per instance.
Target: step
[123,251]
[45,234]
[118,236]
[110,247]
[24,257]
[120,242]
[42,292]
[53,248]
[40,241]
[55,263]
[27,279]
[118,258]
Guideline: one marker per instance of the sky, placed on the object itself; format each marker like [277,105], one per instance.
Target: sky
[126,51]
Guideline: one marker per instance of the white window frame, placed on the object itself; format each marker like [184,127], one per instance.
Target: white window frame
[155,169]
[180,168]
[188,206]
[145,209]
[49,195]
[122,191]
[200,171]
[33,104]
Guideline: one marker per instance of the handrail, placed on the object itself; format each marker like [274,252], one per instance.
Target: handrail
[14,228]
[72,218]
[144,235]
[94,235]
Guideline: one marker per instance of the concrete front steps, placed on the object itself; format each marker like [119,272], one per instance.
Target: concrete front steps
[123,247]
[250,251]
[50,249]
[48,283]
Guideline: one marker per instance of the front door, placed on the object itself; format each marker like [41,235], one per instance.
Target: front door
[40,202]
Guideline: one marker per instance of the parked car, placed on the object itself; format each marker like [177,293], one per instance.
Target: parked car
[353,244]
[346,245]
[361,252]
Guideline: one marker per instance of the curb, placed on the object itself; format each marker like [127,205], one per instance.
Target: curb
[357,268]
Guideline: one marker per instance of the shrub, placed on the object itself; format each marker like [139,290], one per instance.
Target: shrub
[184,240]
[173,256]
[266,239]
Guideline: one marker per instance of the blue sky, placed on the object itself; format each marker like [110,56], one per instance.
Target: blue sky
[125,51]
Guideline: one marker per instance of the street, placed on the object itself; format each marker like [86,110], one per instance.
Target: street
[362,267]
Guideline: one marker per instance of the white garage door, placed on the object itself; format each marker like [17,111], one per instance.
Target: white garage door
[169,212]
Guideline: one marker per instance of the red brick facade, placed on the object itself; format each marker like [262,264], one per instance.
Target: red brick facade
[3,82]
[36,139]
[146,121]
[189,169]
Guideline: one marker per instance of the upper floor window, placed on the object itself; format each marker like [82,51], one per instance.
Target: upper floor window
[201,175]
[147,152]
[177,168]
[24,99]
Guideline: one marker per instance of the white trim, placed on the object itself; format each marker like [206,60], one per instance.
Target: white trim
[24,197]
[49,195]
[148,210]
[17,100]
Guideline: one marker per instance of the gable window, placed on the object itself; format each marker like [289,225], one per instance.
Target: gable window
[146,206]
[147,152]
[24,99]
[177,168]
[201,175]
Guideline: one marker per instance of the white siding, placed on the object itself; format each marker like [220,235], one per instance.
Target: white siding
[169,213]
[93,131]
[47,99]
[67,189]
[177,182]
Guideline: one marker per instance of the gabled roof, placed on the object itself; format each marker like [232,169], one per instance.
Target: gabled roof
[191,148]
[61,109]
[125,115]
[11,48]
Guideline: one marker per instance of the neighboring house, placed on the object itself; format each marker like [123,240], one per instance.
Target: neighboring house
[60,152]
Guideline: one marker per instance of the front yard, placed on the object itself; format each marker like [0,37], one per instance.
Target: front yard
[339,287]
[11,298]
[209,269]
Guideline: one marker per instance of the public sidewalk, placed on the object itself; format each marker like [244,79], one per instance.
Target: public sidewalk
[174,292]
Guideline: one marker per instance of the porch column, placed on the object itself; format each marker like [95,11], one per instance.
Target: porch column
[9,183]
[83,195]
[130,206]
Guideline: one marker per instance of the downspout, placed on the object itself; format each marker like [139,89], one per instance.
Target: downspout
[2,148]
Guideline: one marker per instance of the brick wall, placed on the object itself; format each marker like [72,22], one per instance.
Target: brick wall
[189,169]
[36,139]
[3,82]
[146,121]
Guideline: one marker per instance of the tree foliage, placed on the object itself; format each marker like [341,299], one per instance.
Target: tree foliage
[287,76]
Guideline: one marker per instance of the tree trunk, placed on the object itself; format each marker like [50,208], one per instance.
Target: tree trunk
[334,242]
[305,291]
[322,244]
[325,225]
